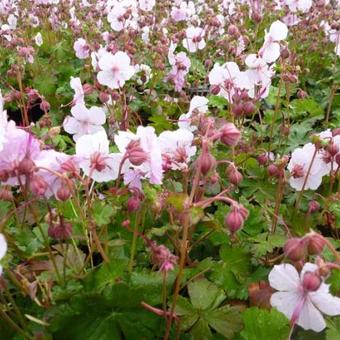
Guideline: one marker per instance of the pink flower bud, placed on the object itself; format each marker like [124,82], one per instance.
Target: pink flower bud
[234,221]
[6,195]
[45,105]
[333,149]
[133,203]
[63,193]
[313,207]
[38,185]
[60,231]
[137,156]
[315,244]
[238,109]
[295,249]
[336,132]
[311,281]
[273,170]
[215,89]
[26,166]
[4,175]
[233,30]
[249,107]
[234,176]
[262,159]
[88,89]
[104,97]
[206,162]
[230,134]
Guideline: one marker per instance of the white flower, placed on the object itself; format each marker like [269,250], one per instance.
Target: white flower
[84,121]
[259,74]
[301,305]
[299,165]
[228,77]
[270,50]
[194,39]
[38,39]
[77,87]
[3,249]
[152,167]
[115,69]
[81,48]
[299,5]
[95,159]
[177,148]
[198,104]
[146,5]
[145,73]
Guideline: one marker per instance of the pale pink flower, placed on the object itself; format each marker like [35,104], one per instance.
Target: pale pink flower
[326,157]
[299,165]
[152,166]
[227,78]
[301,305]
[81,48]
[180,67]
[299,5]
[38,39]
[19,145]
[183,11]
[51,160]
[95,159]
[176,148]
[3,249]
[194,39]
[84,121]
[115,69]
[77,87]
[198,104]
[270,50]
[146,5]
[259,75]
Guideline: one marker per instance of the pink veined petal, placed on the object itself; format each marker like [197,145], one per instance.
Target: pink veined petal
[284,277]
[311,318]
[325,302]
[79,111]
[286,302]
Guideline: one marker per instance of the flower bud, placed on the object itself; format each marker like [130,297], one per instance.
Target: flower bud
[234,221]
[88,89]
[332,149]
[233,30]
[26,166]
[249,107]
[38,185]
[206,162]
[104,97]
[234,176]
[230,134]
[337,159]
[273,170]
[238,109]
[4,175]
[215,89]
[311,281]
[262,159]
[63,193]
[135,153]
[6,195]
[295,249]
[315,244]
[45,105]
[60,231]
[133,203]
[313,207]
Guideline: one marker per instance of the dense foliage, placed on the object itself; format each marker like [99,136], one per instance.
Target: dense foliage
[169,169]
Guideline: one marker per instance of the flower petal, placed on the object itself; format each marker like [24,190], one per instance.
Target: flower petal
[323,300]
[311,318]
[286,302]
[284,277]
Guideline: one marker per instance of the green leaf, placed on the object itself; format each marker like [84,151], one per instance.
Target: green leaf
[265,325]
[205,294]
[333,330]
[302,106]
[225,320]
[218,101]
[102,213]
[334,281]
